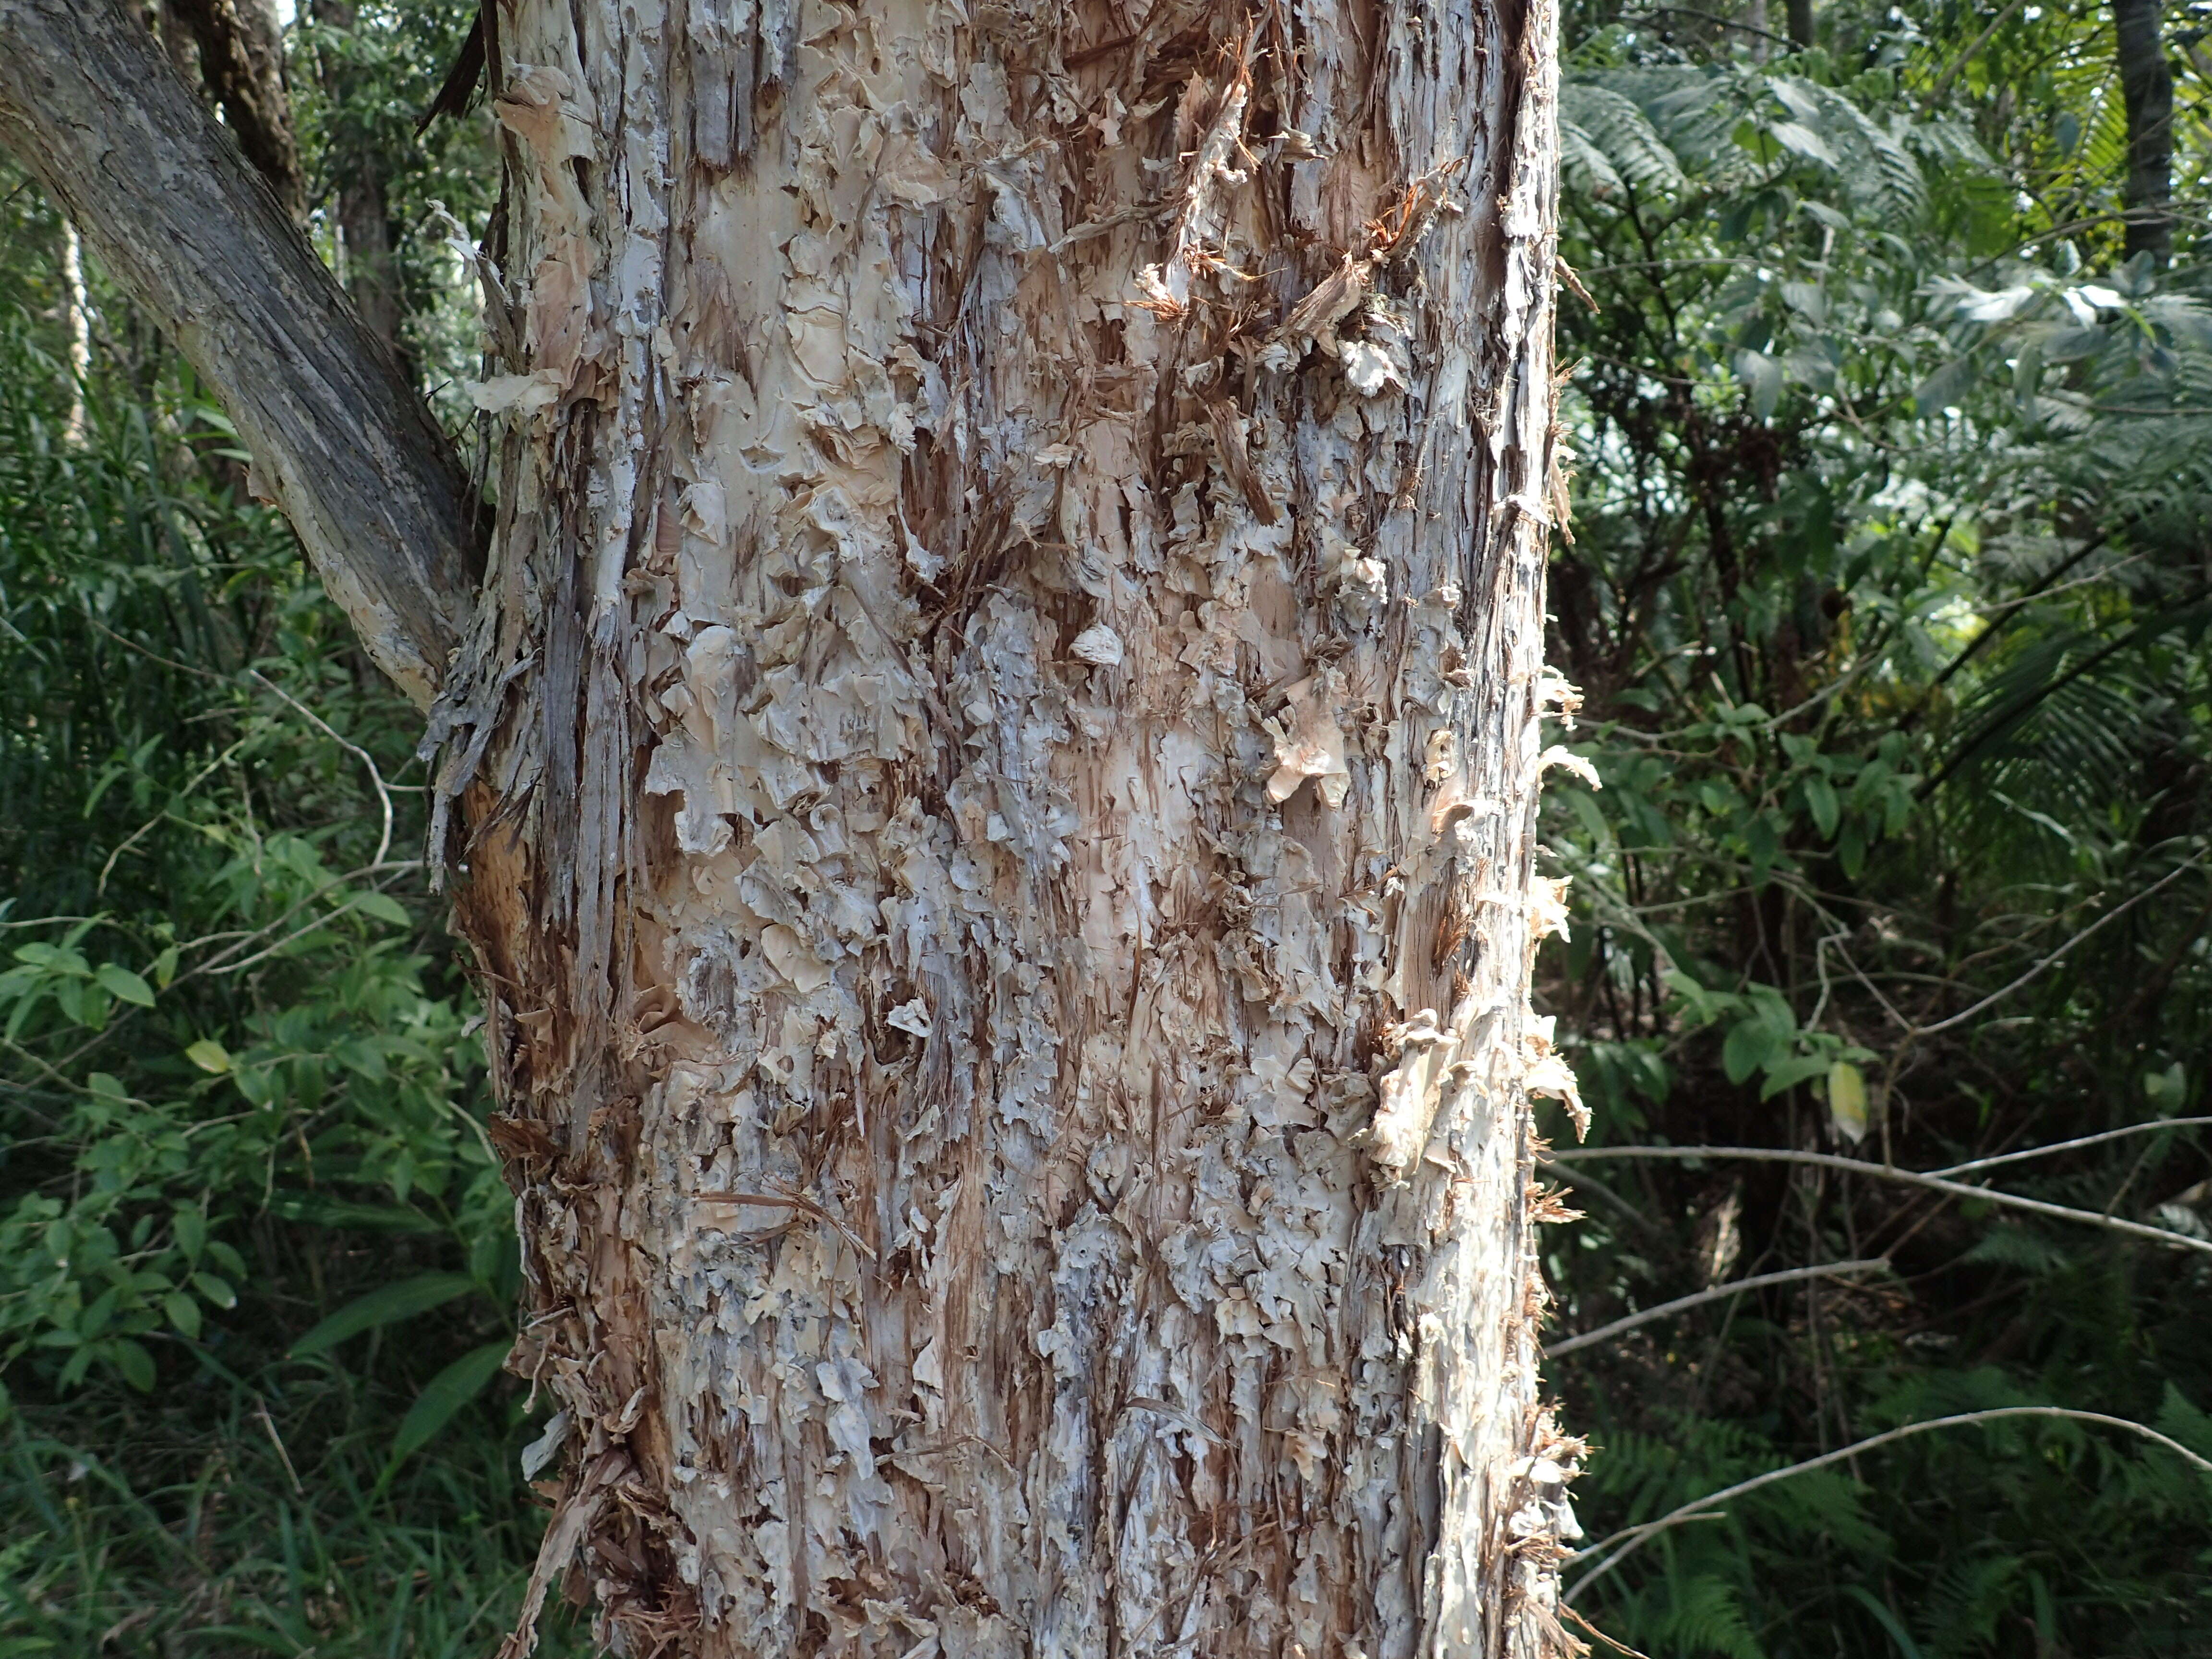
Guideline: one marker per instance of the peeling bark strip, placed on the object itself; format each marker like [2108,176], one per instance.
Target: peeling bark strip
[92,108]
[999,762]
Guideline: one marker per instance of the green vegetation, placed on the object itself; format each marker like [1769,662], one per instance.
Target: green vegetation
[1888,598]
[241,1110]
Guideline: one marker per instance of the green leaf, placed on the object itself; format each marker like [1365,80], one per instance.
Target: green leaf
[1802,141]
[446,1394]
[1749,1043]
[124,985]
[1886,1619]
[403,1300]
[215,1289]
[1820,796]
[1762,376]
[1790,1072]
[133,1362]
[382,906]
[184,1313]
[209,1056]
[1943,389]
[1851,851]
[318,1211]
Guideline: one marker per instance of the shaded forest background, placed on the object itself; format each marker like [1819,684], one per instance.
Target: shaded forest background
[1887,592]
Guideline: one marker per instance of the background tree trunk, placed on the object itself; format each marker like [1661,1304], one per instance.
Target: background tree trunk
[2147,89]
[999,766]
[240,48]
[357,178]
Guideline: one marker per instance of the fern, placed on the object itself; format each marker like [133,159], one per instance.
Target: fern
[1613,142]
[1705,1615]
[1964,1605]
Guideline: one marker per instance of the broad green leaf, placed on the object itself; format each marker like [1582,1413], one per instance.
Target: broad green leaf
[1762,377]
[209,1056]
[1748,1045]
[403,1300]
[1788,1072]
[444,1394]
[1945,387]
[215,1289]
[382,906]
[1801,140]
[1820,796]
[133,1362]
[125,985]
[184,1313]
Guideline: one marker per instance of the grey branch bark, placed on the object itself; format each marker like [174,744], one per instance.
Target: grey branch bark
[91,106]
[2146,88]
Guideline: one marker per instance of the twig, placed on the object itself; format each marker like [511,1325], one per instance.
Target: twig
[277,1440]
[1891,1172]
[789,1202]
[1943,81]
[221,962]
[376,777]
[2069,1146]
[1610,1641]
[1586,1338]
[1631,1539]
[1709,18]
[2052,960]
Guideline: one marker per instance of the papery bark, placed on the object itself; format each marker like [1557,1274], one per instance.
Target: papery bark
[996,773]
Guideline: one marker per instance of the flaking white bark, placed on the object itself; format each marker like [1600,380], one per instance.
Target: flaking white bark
[998,766]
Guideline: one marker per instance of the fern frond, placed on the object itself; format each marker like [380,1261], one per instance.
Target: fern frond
[1619,136]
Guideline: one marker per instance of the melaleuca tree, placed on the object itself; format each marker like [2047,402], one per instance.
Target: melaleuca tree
[987,762]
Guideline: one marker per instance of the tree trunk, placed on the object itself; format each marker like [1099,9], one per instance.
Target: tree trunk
[356,173]
[996,764]
[240,50]
[2146,90]
[999,768]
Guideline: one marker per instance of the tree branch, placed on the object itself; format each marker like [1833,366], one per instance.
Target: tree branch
[1890,1172]
[2069,1145]
[1735,1287]
[1631,1539]
[92,108]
